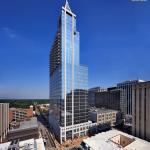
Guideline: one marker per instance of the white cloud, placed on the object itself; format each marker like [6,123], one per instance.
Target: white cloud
[9,32]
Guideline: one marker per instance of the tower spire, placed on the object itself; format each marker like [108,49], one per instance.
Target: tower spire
[67,6]
[67,2]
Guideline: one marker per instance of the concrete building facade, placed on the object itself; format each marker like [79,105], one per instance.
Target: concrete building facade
[4,120]
[141,110]
[103,116]
[127,88]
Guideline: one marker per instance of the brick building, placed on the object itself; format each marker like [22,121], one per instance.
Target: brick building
[20,114]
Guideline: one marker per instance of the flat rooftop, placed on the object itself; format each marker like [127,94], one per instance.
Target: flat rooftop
[19,109]
[129,81]
[116,140]
[30,144]
[32,123]
[102,110]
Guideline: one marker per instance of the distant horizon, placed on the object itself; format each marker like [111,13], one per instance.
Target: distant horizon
[48,98]
[115,43]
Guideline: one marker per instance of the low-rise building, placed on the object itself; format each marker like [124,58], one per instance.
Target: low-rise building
[102,116]
[31,144]
[115,140]
[4,120]
[26,130]
[20,114]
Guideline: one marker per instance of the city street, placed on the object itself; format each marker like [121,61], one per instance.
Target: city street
[45,132]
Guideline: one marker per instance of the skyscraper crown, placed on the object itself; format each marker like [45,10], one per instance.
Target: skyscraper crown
[67,6]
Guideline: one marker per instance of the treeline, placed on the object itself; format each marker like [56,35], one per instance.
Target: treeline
[24,103]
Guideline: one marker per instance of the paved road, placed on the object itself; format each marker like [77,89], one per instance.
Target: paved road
[45,132]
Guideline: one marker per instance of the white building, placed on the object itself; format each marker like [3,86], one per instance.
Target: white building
[30,144]
[115,140]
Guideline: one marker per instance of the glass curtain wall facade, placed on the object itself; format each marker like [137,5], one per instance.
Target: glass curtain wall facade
[68,79]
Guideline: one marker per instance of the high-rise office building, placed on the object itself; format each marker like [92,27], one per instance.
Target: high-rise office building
[91,95]
[110,99]
[141,110]
[4,120]
[127,88]
[68,113]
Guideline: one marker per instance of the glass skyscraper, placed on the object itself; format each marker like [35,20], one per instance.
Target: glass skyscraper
[68,112]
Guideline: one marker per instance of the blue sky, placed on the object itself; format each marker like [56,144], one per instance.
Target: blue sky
[115,42]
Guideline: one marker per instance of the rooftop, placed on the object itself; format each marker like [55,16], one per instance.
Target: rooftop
[4,103]
[32,123]
[102,110]
[132,81]
[27,144]
[21,109]
[116,140]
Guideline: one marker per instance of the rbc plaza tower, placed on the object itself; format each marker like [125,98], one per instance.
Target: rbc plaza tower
[68,114]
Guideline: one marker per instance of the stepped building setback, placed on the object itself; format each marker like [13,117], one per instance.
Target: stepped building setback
[68,114]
